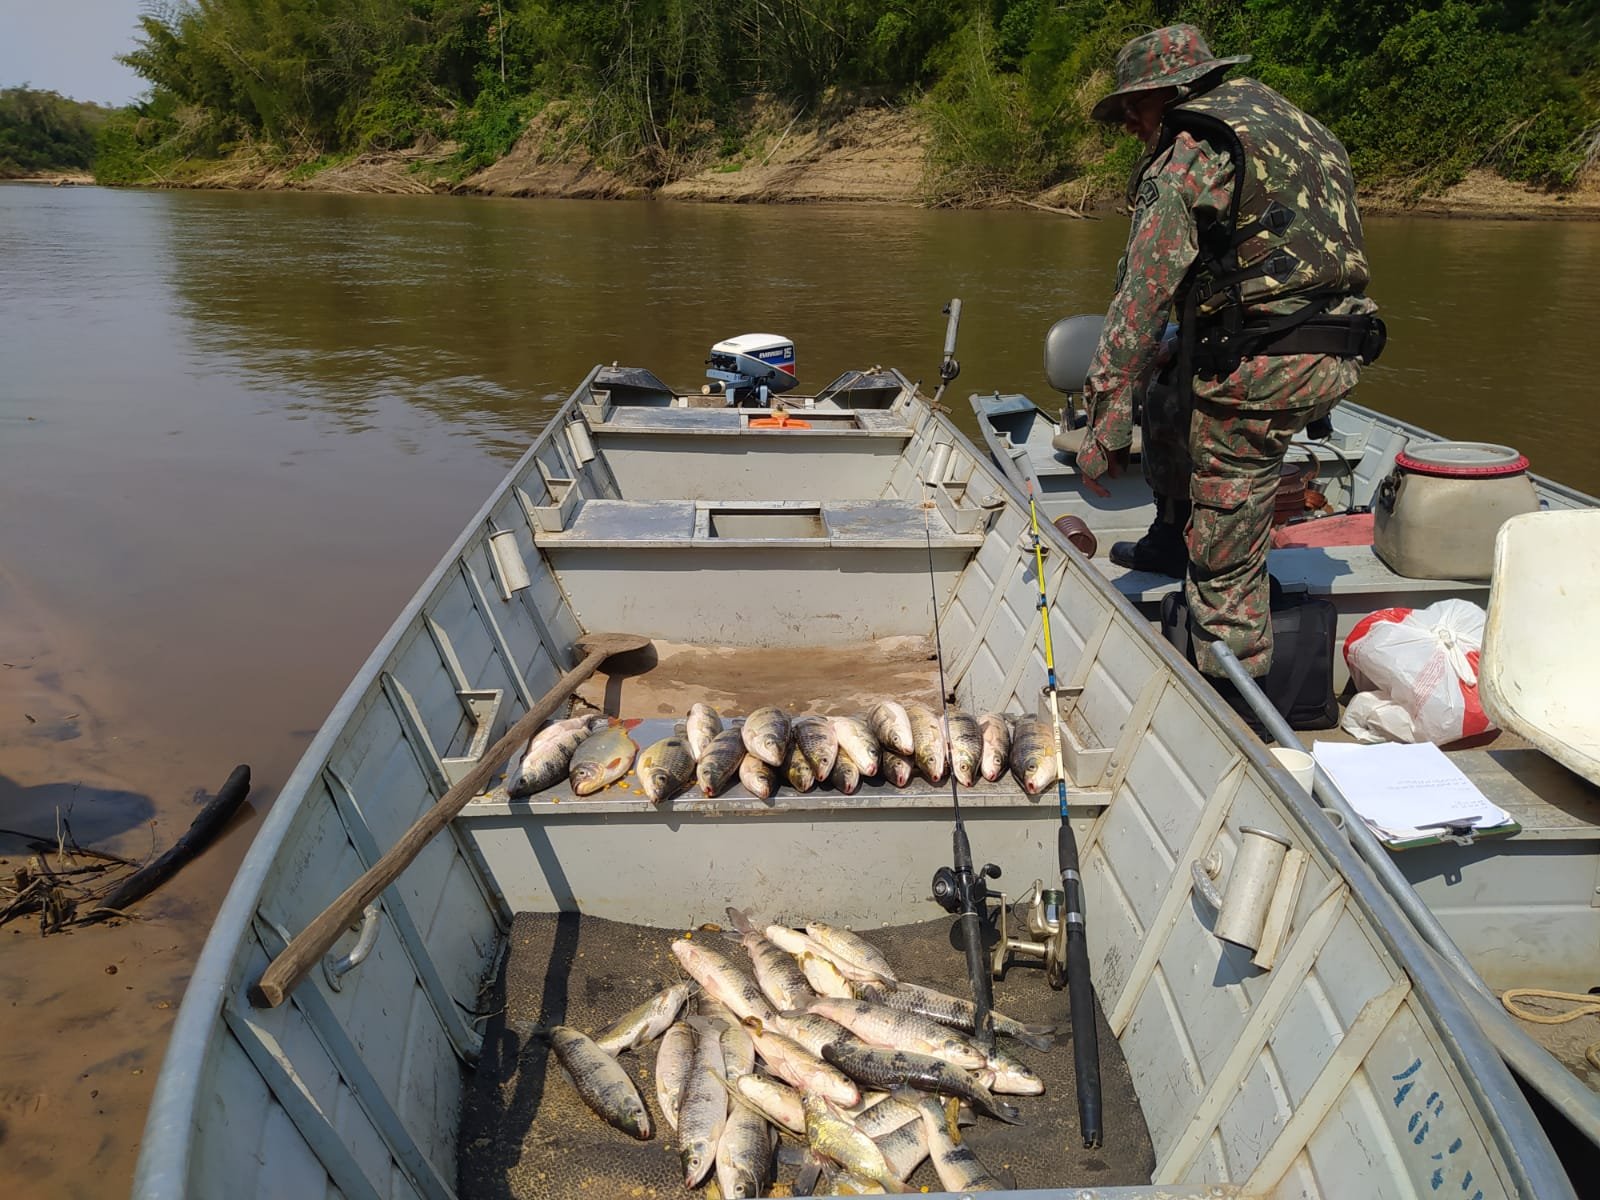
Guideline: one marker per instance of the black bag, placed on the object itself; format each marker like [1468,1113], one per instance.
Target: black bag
[1300,681]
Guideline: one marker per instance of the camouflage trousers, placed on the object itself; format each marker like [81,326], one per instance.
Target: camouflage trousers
[1226,460]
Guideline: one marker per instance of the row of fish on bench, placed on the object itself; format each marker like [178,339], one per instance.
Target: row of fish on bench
[853,1063]
[768,748]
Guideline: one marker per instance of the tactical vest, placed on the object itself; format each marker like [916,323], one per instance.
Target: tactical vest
[1290,245]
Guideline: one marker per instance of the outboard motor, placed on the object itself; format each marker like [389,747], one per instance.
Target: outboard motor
[752,367]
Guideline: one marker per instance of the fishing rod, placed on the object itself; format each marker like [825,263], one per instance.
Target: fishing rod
[1080,987]
[960,887]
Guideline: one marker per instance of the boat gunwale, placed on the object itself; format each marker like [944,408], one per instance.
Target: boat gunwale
[168,1141]
[167,1145]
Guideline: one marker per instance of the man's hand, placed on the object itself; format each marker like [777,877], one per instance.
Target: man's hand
[1094,460]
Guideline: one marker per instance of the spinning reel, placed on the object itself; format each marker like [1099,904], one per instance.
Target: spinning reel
[1038,934]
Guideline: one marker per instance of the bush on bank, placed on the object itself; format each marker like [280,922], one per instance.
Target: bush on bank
[1420,90]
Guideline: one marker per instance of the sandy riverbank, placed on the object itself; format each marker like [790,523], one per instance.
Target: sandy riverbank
[87,1012]
[871,155]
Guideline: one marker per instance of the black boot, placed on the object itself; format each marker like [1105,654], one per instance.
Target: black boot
[1162,550]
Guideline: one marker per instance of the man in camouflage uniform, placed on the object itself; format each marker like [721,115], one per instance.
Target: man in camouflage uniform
[1245,232]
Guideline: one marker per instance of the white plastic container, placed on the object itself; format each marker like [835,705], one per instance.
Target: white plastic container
[1437,513]
[1541,647]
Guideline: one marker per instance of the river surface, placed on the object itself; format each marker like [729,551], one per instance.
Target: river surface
[237,429]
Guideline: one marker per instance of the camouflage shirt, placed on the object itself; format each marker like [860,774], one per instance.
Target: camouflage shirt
[1189,177]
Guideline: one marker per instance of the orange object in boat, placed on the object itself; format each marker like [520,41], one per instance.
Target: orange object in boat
[778,420]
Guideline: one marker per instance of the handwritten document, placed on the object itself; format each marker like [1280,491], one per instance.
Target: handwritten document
[1406,791]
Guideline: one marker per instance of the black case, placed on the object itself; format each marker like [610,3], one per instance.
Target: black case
[1300,682]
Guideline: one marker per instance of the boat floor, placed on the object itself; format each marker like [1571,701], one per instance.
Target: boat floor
[826,679]
[527,1135]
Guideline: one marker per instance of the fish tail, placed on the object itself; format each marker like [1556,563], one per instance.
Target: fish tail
[740,920]
[1040,1037]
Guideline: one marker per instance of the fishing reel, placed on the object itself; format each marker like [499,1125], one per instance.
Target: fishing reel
[1038,934]
[947,890]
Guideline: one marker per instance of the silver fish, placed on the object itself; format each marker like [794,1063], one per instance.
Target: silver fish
[889,1069]
[722,981]
[703,1111]
[719,762]
[889,720]
[954,1011]
[547,754]
[845,776]
[830,1133]
[802,776]
[965,739]
[798,943]
[931,753]
[602,759]
[817,740]
[1007,1076]
[811,1031]
[777,974]
[674,1058]
[824,976]
[1033,755]
[996,731]
[644,1022]
[896,767]
[904,1148]
[880,1026]
[887,1115]
[797,1066]
[778,1102]
[604,1086]
[744,1154]
[666,767]
[703,724]
[844,946]
[858,741]
[759,778]
[766,735]
[738,1051]
[957,1166]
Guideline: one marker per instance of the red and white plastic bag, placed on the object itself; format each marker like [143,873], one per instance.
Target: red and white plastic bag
[1418,674]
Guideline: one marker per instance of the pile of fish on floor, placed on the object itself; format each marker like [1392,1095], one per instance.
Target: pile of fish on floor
[768,747]
[852,1063]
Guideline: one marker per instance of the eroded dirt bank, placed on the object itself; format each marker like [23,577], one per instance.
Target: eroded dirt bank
[876,155]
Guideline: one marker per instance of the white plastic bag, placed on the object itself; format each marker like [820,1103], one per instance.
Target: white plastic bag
[1418,671]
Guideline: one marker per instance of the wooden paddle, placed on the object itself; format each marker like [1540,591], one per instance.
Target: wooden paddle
[312,942]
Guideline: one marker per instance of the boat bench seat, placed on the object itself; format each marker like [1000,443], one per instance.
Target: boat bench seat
[1320,570]
[735,422]
[826,524]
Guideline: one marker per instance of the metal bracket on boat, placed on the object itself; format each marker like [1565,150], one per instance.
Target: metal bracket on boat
[959,511]
[1255,909]
[510,570]
[335,969]
[482,707]
[597,405]
[564,497]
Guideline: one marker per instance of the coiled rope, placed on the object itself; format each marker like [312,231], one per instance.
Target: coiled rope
[1586,1006]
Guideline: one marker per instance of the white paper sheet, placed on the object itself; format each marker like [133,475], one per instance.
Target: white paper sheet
[1406,791]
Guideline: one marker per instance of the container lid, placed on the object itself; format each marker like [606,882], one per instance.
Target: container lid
[1462,460]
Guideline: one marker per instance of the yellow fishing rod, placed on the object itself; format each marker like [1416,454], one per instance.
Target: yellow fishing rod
[1080,987]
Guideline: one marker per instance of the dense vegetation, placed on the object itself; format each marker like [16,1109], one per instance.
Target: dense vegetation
[43,133]
[1421,90]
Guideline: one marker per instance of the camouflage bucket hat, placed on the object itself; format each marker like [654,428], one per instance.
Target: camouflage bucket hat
[1169,57]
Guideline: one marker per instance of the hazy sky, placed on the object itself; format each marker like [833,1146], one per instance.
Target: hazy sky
[69,46]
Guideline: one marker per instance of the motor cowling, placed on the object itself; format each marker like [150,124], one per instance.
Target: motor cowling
[752,361]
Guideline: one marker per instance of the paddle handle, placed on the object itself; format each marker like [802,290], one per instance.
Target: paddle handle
[308,946]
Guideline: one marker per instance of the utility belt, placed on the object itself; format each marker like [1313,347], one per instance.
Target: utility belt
[1217,346]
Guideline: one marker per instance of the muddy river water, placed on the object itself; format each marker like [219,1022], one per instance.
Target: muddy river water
[237,429]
